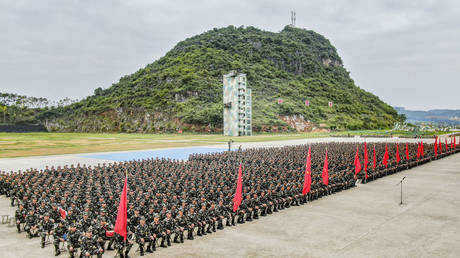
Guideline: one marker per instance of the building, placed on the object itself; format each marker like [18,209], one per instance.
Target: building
[237,105]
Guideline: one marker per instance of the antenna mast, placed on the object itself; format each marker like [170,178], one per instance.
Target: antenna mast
[293,18]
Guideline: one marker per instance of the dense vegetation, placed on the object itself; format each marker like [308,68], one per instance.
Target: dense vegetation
[183,89]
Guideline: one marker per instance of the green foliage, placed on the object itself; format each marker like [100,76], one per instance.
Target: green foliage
[185,86]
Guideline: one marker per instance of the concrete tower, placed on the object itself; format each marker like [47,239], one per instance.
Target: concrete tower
[237,105]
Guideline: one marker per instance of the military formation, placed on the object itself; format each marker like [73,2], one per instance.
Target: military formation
[170,201]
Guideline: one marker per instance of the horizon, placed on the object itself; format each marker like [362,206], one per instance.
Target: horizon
[391,49]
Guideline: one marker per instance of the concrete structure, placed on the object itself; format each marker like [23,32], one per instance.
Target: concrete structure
[365,221]
[237,105]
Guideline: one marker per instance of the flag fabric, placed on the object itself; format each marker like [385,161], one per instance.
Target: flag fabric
[325,174]
[455,143]
[422,150]
[419,150]
[366,159]
[375,160]
[122,216]
[436,146]
[451,143]
[398,159]
[307,179]
[357,162]
[407,151]
[440,146]
[239,190]
[385,157]
[62,212]
[445,144]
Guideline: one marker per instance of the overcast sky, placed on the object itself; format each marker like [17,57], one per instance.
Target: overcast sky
[405,52]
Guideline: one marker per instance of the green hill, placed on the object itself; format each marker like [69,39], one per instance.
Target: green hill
[183,89]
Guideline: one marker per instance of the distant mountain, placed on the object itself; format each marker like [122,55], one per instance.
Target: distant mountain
[445,116]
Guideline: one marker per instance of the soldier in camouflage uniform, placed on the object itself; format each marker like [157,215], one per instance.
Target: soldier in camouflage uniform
[20,217]
[60,236]
[89,245]
[46,228]
[143,236]
[73,240]
[31,225]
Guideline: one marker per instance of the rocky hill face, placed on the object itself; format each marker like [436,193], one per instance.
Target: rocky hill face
[183,89]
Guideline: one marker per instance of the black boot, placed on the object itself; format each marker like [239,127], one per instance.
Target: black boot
[190,235]
[57,251]
[214,228]
[169,240]
[18,226]
[126,254]
[220,226]
[176,239]
[182,237]
[149,248]
[43,242]
[227,224]
[142,250]
[163,242]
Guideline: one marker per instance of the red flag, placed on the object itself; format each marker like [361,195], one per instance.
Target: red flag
[239,190]
[325,172]
[385,157]
[307,179]
[375,160]
[366,160]
[407,151]
[62,212]
[122,216]
[455,143]
[447,145]
[422,150]
[418,150]
[440,146]
[436,146]
[398,159]
[357,163]
[451,143]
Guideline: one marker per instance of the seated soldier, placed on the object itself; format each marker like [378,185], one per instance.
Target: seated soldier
[73,242]
[202,220]
[20,216]
[46,228]
[191,222]
[31,225]
[180,226]
[60,236]
[89,245]
[143,236]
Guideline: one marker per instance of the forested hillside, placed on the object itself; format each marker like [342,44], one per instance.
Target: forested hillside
[183,89]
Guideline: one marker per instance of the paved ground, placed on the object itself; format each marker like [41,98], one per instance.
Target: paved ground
[39,162]
[365,221]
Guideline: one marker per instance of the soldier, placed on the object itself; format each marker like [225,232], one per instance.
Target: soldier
[180,226]
[20,216]
[31,225]
[89,245]
[143,236]
[191,222]
[46,228]
[202,220]
[120,244]
[60,236]
[73,242]
[169,225]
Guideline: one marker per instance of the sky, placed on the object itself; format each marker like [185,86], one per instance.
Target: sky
[405,52]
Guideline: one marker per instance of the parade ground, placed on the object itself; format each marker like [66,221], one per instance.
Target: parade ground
[366,221]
